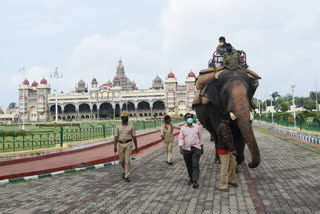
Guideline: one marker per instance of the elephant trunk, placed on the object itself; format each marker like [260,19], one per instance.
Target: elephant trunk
[241,109]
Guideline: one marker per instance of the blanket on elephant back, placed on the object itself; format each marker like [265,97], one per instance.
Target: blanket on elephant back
[206,75]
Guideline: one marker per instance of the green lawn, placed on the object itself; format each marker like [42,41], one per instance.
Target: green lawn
[46,137]
[314,149]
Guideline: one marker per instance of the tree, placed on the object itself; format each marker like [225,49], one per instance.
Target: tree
[275,95]
[301,101]
[281,104]
[12,105]
[312,95]
[310,104]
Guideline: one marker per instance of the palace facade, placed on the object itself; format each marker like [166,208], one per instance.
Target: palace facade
[107,100]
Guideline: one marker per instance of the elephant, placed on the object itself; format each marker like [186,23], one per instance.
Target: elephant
[231,92]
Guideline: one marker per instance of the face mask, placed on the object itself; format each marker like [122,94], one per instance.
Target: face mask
[124,120]
[229,50]
[189,121]
[221,43]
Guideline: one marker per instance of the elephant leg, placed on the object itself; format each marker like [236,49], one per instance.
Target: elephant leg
[217,158]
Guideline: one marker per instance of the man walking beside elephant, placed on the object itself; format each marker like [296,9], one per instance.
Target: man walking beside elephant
[227,154]
[190,142]
[167,137]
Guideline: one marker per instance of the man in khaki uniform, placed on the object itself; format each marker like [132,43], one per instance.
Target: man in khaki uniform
[167,137]
[231,60]
[124,134]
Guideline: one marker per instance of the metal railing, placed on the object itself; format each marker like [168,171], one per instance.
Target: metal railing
[56,137]
[288,122]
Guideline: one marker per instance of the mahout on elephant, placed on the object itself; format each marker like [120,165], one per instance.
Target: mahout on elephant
[231,93]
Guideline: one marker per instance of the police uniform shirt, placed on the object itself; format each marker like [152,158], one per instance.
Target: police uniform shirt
[125,132]
[232,61]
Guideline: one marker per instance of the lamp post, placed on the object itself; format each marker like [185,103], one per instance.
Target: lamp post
[293,84]
[316,97]
[23,94]
[259,107]
[270,93]
[55,75]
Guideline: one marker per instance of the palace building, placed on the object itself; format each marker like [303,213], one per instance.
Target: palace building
[107,100]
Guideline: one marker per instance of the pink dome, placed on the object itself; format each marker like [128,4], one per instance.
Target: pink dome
[171,75]
[191,74]
[105,85]
[116,78]
[43,81]
[25,82]
[94,79]
[35,84]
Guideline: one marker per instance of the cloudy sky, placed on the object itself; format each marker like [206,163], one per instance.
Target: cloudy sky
[85,39]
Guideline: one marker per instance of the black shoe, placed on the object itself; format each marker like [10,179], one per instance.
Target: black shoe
[127,179]
[123,175]
[170,163]
[195,184]
[190,182]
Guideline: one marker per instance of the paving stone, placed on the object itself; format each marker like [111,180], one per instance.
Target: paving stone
[286,182]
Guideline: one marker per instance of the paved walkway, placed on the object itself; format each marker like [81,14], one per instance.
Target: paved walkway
[100,154]
[287,181]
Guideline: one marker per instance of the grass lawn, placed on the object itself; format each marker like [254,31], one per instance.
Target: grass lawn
[314,149]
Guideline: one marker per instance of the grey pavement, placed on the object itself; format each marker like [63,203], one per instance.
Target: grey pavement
[287,181]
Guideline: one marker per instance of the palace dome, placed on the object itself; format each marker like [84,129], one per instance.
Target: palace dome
[43,81]
[191,74]
[157,79]
[116,78]
[171,75]
[25,82]
[94,79]
[34,84]
[81,84]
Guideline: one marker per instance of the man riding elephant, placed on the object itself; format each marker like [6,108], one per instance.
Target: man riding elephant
[222,47]
[231,59]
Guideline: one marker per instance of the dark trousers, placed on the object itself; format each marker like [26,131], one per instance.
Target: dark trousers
[192,158]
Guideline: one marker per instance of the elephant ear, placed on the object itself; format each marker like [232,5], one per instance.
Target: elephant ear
[212,93]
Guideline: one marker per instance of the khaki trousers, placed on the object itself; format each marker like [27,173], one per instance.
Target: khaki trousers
[125,150]
[168,148]
[226,177]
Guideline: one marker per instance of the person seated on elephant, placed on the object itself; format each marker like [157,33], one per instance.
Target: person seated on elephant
[231,59]
[221,48]
[220,51]
[227,153]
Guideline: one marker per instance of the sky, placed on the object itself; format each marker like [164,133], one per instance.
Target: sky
[86,39]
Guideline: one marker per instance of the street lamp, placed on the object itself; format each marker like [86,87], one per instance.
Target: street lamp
[23,94]
[293,84]
[270,93]
[259,107]
[55,75]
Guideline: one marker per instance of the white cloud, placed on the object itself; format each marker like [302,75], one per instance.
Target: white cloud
[86,40]
[279,38]
[32,73]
